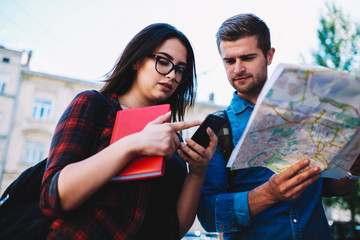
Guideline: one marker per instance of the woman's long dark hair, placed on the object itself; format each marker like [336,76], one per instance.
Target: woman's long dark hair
[141,46]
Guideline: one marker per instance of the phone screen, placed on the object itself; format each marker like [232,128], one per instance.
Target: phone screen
[212,121]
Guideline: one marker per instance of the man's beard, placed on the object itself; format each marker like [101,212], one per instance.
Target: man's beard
[257,84]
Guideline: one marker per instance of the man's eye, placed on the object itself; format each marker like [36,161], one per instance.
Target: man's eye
[247,58]
[230,61]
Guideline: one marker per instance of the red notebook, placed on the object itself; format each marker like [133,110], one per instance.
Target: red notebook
[134,120]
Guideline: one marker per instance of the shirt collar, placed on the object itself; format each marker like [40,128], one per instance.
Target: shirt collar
[239,104]
[114,100]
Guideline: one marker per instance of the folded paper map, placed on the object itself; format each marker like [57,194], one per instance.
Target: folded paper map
[303,112]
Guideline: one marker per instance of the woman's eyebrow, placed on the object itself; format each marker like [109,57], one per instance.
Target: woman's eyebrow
[167,55]
[170,57]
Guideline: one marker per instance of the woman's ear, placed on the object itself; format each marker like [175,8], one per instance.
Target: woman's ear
[136,65]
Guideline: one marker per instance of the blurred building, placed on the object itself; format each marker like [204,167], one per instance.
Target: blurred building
[10,68]
[30,106]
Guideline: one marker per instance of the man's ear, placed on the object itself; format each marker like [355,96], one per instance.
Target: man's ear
[270,55]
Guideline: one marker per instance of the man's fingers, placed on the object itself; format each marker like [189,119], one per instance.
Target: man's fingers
[295,191]
[295,168]
[299,181]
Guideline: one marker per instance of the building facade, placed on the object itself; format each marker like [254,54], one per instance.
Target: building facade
[10,68]
[31,104]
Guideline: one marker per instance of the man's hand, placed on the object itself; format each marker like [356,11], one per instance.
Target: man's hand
[285,186]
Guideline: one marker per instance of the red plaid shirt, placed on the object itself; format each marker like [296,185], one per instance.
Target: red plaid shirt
[120,210]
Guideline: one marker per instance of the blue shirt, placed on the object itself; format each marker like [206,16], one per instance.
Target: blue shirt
[221,210]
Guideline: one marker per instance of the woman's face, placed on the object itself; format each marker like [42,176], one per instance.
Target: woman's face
[155,85]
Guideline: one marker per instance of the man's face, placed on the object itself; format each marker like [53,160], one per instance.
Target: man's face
[245,65]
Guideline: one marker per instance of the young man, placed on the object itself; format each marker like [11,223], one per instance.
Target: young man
[255,203]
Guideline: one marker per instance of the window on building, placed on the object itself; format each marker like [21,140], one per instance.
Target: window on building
[42,110]
[4,79]
[34,152]
[6,60]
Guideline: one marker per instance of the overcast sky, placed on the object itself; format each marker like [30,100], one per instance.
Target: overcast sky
[82,39]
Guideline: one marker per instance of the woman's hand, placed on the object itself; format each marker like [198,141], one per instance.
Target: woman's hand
[198,159]
[159,136]
[197,156]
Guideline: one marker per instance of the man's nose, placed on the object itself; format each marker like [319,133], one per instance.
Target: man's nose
[239,67]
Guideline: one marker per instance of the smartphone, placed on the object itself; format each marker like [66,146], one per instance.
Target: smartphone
[212,121]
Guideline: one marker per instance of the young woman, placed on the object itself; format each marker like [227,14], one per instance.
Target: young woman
[156,67]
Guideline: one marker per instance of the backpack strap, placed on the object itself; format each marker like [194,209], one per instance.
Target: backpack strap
[26,188]
[225,143]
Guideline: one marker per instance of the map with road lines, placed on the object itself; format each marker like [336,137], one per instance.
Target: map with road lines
[303,112]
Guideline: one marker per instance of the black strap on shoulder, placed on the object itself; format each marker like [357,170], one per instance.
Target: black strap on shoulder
[225,143]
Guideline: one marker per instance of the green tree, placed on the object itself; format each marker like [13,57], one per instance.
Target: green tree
[350,202]
[339,41]
[339,47]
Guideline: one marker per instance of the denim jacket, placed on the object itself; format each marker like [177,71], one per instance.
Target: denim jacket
[221,210]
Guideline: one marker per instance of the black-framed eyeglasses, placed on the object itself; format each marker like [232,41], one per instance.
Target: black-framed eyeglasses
[164,66]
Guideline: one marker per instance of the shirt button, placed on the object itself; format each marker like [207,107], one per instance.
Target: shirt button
[295,220]
[222,227]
